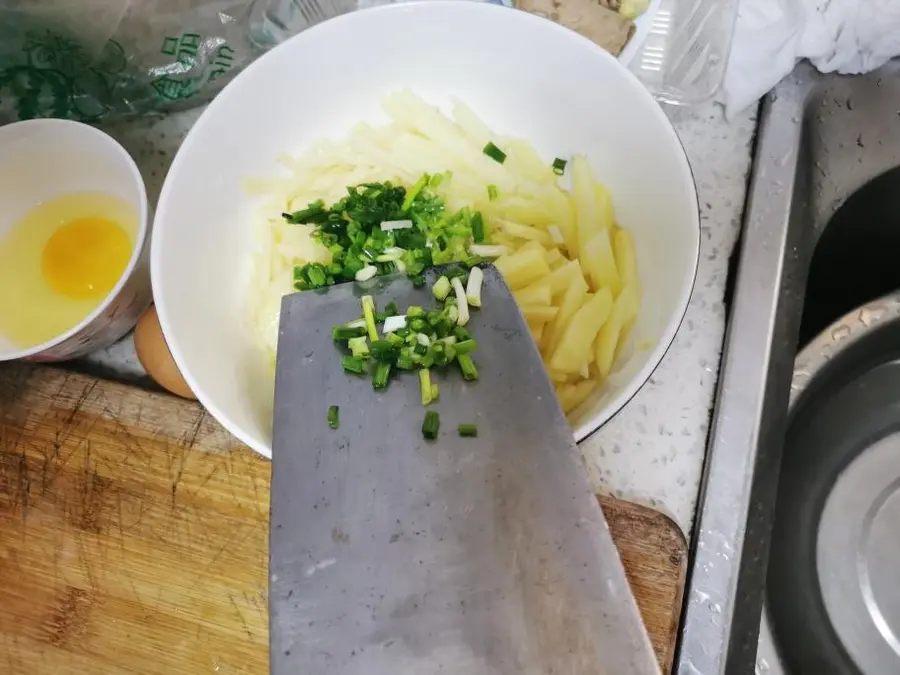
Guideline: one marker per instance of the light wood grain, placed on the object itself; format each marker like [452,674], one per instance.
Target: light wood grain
[133,536]
[654,553]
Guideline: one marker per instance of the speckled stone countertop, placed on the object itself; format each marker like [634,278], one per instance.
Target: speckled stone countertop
[652,451]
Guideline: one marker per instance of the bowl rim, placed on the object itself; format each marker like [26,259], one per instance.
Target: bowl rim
[583,430]
[140,238]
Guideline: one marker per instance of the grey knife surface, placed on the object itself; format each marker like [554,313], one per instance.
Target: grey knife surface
[394,555]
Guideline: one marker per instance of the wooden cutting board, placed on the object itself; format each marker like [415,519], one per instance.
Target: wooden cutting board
[133,536]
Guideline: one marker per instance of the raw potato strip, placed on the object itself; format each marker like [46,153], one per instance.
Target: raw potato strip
[539,313]
[411,111]
[623,312]
[522,268]
[571,301]
[626,258]
[600,263]
[573,395]
[519,209]
[563,277]
[538,293]
[524,232]
[471,124]
[568,262]
[574,346]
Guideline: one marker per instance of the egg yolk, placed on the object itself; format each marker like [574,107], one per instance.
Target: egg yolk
[85,258]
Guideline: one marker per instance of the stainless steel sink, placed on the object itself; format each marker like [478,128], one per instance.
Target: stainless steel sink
[822,197]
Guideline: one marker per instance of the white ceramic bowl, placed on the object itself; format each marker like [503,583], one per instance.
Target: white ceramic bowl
[525,76]
[44,158]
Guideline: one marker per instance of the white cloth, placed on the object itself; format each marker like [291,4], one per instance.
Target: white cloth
[771,36]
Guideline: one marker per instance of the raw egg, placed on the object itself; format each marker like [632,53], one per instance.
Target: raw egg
[60,261]
[154,355]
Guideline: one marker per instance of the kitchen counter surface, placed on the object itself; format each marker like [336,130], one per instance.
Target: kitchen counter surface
[651,452]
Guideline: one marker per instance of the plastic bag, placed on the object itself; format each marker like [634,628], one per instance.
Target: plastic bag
[92,60]
[99,60]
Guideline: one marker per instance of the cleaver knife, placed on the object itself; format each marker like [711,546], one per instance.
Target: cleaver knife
[391,554]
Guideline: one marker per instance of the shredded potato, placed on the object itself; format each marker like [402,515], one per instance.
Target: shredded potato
[572,268]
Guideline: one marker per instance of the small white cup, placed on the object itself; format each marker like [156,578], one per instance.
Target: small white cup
[43,159]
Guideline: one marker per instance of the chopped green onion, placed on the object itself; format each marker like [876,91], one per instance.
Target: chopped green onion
[368,307]
[461,334]
[339,333]
[467,430]
[359,347]
[353,364]
[494,153]
[477,228]
[435,391]
[390,225]
[418,281]
[383,350]
[559,166]
[441,288]
[473,287]
[381,376]
[394,323]
[391,254]
[334,414]
[492,192]
[462,305]
[488,250]
[414,192]
[431,425]
[405,362]
[317,277]
[425,386]
[457,271]
[391,309]
[465,347]
[366,273]
[467,365]
[314,213]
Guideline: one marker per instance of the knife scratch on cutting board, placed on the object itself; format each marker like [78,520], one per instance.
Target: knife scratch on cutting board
[69,618]
[111,552]
[240,615]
